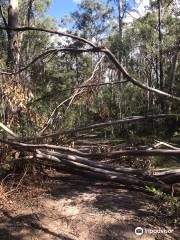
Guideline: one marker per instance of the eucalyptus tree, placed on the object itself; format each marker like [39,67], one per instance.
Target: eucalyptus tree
[153,56]
[17,51]
[92,19]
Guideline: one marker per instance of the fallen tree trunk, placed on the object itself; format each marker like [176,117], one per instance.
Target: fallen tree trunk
[88,175]
[97,126]
[120,153]
[60,157]
[106,174]
[95,164]
[113,154]
[168,176]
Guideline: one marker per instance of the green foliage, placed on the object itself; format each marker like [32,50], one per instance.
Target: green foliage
[166,202]
[92,19]
[166,163]
[54,79]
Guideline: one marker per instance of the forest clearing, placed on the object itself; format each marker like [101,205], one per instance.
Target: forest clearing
[89,119]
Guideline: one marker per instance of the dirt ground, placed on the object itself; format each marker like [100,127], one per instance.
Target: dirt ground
[68,207]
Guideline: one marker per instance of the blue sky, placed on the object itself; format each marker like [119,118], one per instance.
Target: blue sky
[60,8]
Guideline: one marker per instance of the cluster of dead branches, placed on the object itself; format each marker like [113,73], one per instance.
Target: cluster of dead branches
[75,161]
[89,164]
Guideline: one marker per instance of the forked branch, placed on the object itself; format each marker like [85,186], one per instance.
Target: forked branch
[93,48]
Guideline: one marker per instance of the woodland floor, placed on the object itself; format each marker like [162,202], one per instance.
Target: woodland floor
[65,206]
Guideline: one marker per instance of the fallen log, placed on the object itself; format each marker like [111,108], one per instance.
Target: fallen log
[120,153]
[97,126]
[106,174]
[158,144]
[59,157]
[113,154]
[95,164]
[88,175]
[168,176]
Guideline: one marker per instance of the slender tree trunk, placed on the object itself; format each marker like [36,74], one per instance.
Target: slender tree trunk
[120,18]
[172,74]
[120,23]
[161,75]
[172,70]
[12,57]
[30,5]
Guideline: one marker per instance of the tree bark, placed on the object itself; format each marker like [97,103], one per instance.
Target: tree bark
[161,74]
[168,176]
[12,58]
[106,174]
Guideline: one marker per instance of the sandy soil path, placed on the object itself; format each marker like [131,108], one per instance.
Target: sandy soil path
[72,208]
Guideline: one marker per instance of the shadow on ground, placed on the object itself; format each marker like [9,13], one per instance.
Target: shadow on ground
[108,196]
[22,227]
[75,208]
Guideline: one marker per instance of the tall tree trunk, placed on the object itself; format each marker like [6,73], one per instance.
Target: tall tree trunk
[161,75]
[172,73]
[173,69]
[30,5]
[120,23]
[12,58]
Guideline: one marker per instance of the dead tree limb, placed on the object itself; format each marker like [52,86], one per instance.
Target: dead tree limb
[113,154]
[9,131]
[44,55]
[97,49]
[91,163]
[133,80]
[78,87]
[98,126]
[168,176]
[106,174]
[158,144]
[126,176]
[76,93]
[120,153]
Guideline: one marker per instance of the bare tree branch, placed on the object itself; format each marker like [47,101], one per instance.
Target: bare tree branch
[9,131]
[46,53]
[22,29]
[134,81]
[98,126]
[97,49]
[78,87]
[77,92]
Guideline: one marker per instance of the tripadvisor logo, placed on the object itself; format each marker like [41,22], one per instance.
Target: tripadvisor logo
[140,231]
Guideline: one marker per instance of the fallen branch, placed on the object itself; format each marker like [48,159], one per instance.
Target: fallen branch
[168,176]
[133,80]
[9,131]
[158,144]
[120,153]
[44,55]
[105,174]
[98,126]
[56,158]
[91,163]
[113,154]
